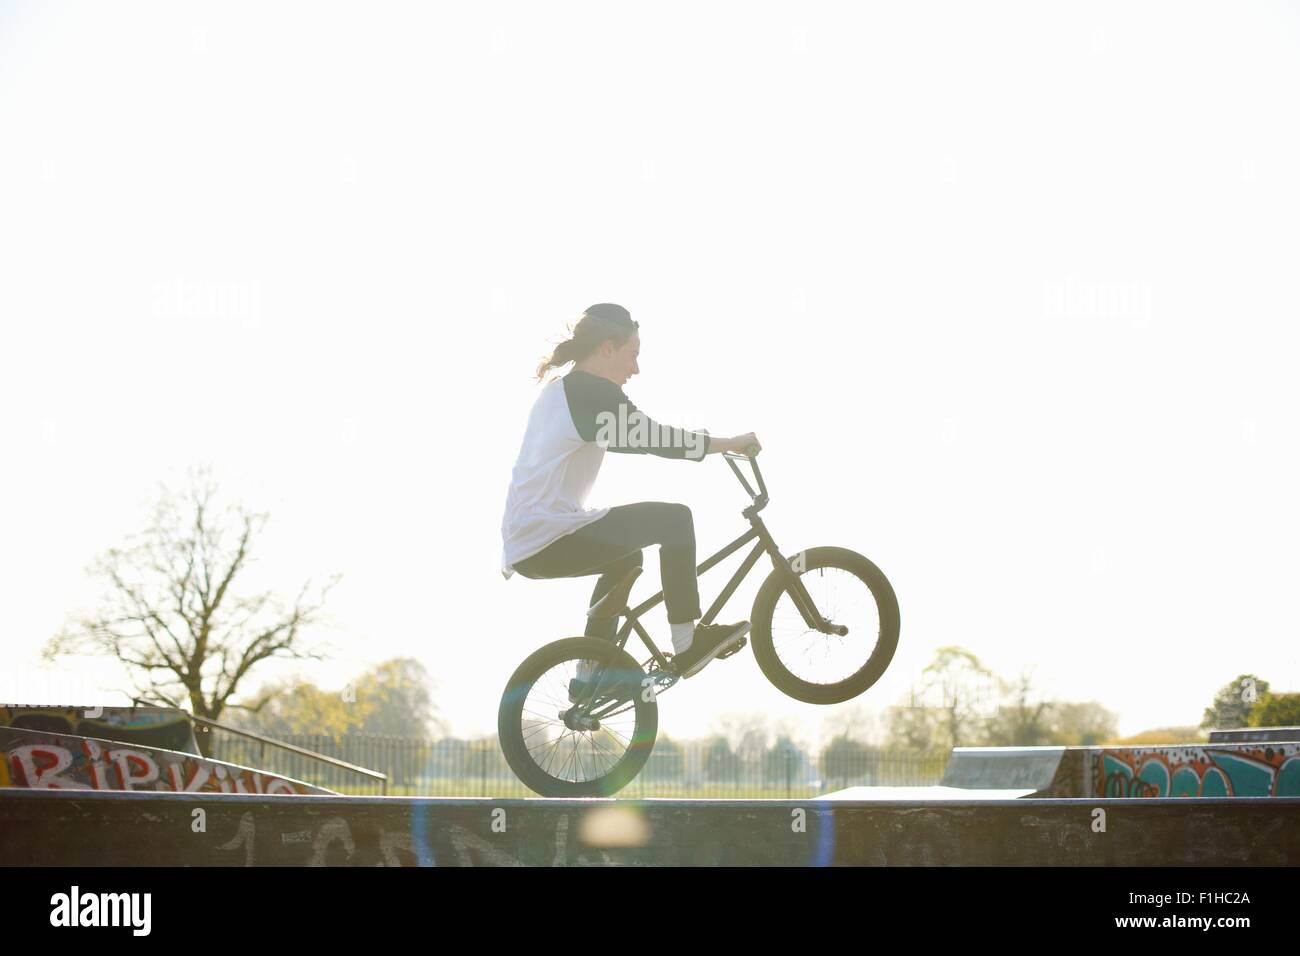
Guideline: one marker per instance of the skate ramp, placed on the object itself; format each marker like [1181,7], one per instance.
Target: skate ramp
[42,760]
[144,828]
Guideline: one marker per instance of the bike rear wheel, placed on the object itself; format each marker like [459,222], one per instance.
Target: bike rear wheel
[589,748]
[820,668]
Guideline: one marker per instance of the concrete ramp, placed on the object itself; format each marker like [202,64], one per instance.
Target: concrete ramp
[1037,770]
[939,793]
[1255,735]
[96,828]
[166,728]
[43,760]
[1242,769]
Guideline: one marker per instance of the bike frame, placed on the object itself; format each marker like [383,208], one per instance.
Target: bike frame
[766,544]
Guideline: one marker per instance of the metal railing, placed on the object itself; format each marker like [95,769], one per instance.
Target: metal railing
[476,768]
[213,745]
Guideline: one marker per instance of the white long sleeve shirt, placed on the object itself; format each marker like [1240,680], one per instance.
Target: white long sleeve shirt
[572,423]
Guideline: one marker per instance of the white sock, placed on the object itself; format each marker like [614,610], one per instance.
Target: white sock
[683,633]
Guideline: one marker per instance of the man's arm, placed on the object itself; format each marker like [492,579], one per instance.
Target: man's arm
[604,414]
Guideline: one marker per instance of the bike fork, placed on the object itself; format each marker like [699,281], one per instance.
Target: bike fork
[799,594]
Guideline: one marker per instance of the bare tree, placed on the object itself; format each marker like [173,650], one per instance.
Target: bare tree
[749,730]
[854,722]
[1085,723]
[1023,719]
[174,615]
[950,707]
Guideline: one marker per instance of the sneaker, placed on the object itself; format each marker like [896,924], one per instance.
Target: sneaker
[577,687]
[709,641]
[612,685]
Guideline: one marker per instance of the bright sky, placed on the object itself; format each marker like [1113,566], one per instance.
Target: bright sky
[1008,292]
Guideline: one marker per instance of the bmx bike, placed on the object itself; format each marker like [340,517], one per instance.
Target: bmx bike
[824,626]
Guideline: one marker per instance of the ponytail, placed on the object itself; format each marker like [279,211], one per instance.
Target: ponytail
[599,324]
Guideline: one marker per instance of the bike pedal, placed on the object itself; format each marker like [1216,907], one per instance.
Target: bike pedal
[734,649]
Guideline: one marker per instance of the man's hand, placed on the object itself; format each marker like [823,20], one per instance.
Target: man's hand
[738,445]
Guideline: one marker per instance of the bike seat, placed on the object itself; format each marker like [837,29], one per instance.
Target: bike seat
[614,602]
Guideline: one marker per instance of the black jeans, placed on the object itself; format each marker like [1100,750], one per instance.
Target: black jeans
[611,546]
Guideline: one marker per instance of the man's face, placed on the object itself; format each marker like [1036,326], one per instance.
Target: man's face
[623,361]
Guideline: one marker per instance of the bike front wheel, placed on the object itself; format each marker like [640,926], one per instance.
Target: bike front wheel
[811,665]
[577,719]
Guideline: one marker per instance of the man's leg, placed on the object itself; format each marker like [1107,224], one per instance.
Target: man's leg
[615,538]
[610,575]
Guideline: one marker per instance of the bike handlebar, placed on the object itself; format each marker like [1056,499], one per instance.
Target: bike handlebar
[751,455]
